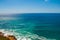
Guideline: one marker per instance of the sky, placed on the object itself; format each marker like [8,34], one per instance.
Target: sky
[29,6]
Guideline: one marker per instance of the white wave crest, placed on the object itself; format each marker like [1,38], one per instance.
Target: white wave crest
[23,35]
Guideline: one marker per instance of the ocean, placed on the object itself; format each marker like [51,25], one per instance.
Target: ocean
[31,26]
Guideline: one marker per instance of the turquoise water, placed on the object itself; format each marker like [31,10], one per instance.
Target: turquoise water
[36,26]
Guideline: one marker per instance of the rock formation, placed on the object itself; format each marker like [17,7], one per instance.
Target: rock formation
[8,37]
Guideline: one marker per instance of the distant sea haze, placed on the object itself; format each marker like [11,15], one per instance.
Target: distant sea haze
[43,21]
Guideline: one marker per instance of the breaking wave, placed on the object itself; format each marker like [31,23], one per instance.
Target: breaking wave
[23,35]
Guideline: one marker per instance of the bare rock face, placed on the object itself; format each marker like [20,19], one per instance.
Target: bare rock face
[3,38]
[1,34]
[8,37]
[11,37]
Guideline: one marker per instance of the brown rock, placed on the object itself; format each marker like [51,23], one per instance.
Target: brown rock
[11,37]
[8,37]
[2,37]
[1,34]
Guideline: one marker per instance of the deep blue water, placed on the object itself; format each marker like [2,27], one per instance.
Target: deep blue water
[42,24]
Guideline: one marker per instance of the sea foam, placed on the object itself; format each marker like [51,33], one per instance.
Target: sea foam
[23,35]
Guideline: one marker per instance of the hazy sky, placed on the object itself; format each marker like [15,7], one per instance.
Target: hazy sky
[29,6]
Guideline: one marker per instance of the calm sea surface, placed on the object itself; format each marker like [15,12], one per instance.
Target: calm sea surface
[38,25]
